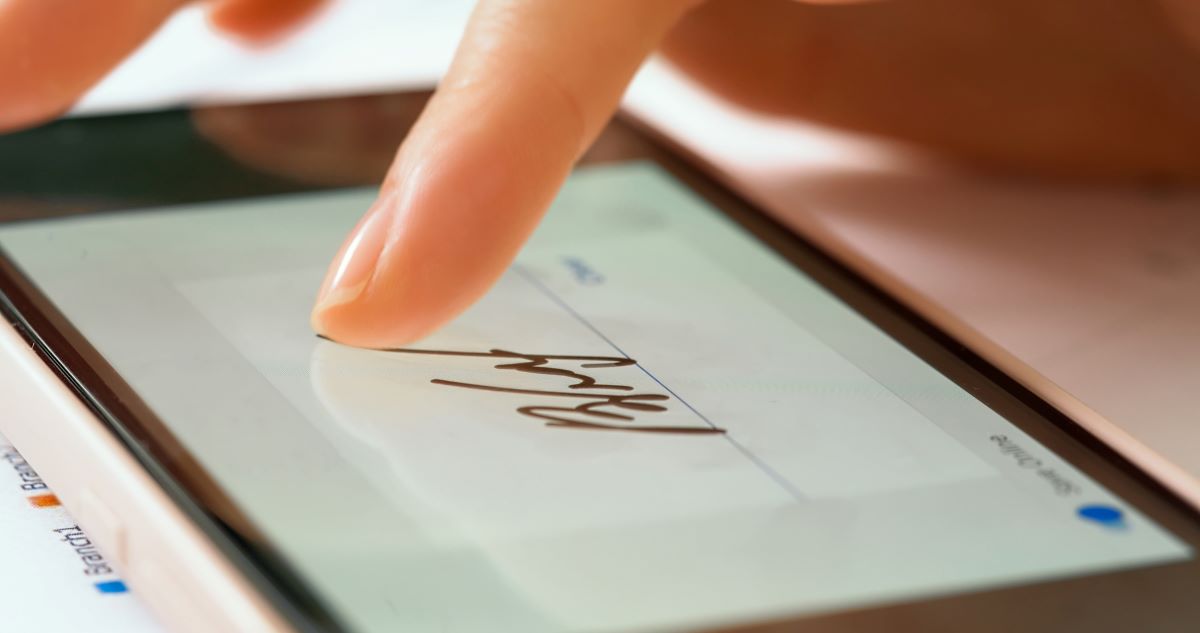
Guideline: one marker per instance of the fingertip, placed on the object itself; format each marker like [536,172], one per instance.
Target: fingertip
[342,323]
[532,84]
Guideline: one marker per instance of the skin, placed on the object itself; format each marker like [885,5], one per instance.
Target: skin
[1077,89]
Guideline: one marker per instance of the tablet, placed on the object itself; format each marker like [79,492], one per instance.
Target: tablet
[670,414]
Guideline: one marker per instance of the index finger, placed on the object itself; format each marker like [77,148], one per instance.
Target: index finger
[533,83]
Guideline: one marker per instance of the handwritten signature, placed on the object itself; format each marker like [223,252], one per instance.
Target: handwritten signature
[603,407]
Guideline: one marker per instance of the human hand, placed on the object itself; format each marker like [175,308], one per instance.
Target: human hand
[1071,89]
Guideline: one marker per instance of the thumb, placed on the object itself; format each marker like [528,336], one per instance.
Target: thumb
[53,51]
[532,84]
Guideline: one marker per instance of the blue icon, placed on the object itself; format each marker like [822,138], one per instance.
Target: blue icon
[1105,515]
[112,586]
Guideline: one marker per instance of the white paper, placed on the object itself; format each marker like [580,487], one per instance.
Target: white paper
[54,579]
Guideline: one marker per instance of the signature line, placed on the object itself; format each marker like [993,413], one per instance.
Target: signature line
[755,459]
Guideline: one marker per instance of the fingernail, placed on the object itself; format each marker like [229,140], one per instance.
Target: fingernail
[355,264]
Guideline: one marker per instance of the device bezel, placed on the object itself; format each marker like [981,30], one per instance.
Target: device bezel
[149,441]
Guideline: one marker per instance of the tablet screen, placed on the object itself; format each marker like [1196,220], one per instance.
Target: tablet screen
[653,421]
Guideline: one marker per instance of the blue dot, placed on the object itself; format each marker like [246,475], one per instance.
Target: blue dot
[112,586]
[1105,515]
